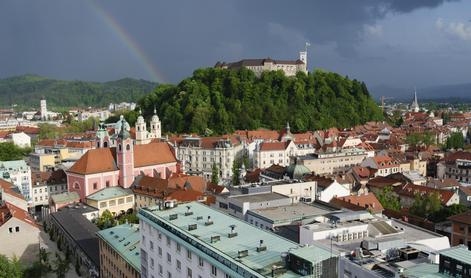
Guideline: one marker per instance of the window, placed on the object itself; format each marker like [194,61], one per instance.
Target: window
[179,265]
[160,269]
[10,230]
[179,248]
[17,229]
[107,183]
[168,240]
[160,251]
[151,263]
[151,245]
[128,147]
[214,270]
[189,272]
[95,185]
[169,275]
[200,262]
[188,254]
[169,258]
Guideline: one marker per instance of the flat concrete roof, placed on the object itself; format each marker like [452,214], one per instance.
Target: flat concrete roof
[259,197]
[291,213]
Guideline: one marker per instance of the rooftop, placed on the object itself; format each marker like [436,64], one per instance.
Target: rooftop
[66,197]
[216,238]
[125,240]
[459,253]
[261,197]
[109,193]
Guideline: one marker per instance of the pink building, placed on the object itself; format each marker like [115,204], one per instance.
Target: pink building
[104,167]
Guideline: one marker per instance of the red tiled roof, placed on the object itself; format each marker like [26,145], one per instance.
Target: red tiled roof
[451,158]
[464,218]
[273,146]
[20,214]
[410,190]
[8,188]
[153,154]
[95,161]
[359,202]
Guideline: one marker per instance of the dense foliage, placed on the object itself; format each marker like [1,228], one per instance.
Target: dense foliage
[389,199]
[10,267]
[455,141]
[10,151]
[49,131]
[222,101]
[26,91]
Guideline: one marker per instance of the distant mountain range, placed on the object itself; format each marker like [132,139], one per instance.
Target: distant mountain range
[27,90]
[443,92]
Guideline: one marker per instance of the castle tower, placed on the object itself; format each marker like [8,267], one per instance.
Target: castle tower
[155,127]
[125,155]
[43,108]
[141,130]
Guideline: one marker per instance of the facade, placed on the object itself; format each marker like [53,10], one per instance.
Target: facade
[269,153]
[43,109]
[101,115]
[328,188]
[107,167]
[120,251]
[19,234]
[58,201]
[461,229]
[18,173]
[408,193]
[197,241]
[328,163]
[116,200]
[21,139]
[199,154]
[457,166]
[258,66]
[384,165]
[46,184]
[142,135]
[40,162]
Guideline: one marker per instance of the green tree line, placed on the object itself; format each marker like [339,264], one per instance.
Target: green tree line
[223,100]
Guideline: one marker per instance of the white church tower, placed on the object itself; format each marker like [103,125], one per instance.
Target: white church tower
[43,109]
[415,104]
[142,136]
[155,127]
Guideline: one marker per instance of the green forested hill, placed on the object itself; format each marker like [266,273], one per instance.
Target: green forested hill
[225,100]
[27,90]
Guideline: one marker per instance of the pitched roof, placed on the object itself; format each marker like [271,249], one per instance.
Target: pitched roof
[359,202]
[9,188]
[18,213]
[410,190]
[461,218]
[95,161]
[273,146]
[153,154]
[451,158]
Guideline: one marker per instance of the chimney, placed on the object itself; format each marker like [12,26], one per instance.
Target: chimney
[232,233]
[209,221]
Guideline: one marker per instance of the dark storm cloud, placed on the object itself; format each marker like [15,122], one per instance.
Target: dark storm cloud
[69,39]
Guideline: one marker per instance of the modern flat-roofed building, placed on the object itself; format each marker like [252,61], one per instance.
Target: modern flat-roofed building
[18,173]
[120,251]
[116,200]
[197,241]
[329,163]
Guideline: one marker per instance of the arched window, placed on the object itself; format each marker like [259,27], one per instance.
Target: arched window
[120,147]
[76,185]
[105,144]
[128,147]
[138,128]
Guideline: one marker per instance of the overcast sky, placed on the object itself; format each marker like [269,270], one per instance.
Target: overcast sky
[400,43]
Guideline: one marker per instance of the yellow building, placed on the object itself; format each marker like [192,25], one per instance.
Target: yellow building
[40,162]
[116,199]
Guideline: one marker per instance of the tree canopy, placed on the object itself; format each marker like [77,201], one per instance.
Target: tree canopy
[10,151]
[455,141]
[225,100]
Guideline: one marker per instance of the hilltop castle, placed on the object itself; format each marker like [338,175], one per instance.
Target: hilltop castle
[289,67]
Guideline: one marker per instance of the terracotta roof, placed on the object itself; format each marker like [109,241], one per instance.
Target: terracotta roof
[451,158]
[49,177]
[273,146]
[9,188]
[95,161]
[215,188]
[153,154]
[461,218]
[381,182]
[253,176]
[28,129]
[165,189]
[384,161]
[410,190]
[322,182]
[359,202]
[19,214]
[183,195]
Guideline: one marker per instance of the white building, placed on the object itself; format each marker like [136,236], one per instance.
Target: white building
[43,109]
[18,173]
[197,241]
[142,135]
[101,115]
[330,162]
[21,139]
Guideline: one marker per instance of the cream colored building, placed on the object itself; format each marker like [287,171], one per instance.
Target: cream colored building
[328,163]
[269,153]
[199,154]
[142,135]
[116,200]
[40,162]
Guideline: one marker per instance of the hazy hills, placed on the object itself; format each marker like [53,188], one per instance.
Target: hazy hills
[27,90]
[442,92]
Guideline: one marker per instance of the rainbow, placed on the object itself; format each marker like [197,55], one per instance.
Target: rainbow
[131,44]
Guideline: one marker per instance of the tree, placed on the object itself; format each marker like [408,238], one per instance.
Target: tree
[10,268]
[10,151]
[389,199]
[61,266]
[130,218]
[425,206]
[455,141]
[106,220]
[215,174]
[236,172]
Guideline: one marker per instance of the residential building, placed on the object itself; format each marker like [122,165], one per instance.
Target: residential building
[258,66]
[21,139]
[328,188]
[40,162]
[366,201]
[384,165]
[461,229]
[120,250]
[269,153]
[408,193]
[9,193]
[197,241]
[19,234]
[116,200]
[456,165]
[101,115]
[58,201]
[330,162]
[46,184]
[199,154]
[18,173]
[106,167]
[78,235]
[153,191]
